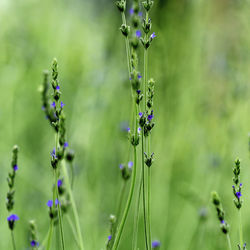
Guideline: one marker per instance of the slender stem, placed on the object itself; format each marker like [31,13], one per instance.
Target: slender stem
[240,229]
[72,200]
[143,192]
[13,240]
[126,210]
[50,235]
[149,198]
[137,212]
[59,212]
[72,175]
[229,242]
[73,229]
[119,209]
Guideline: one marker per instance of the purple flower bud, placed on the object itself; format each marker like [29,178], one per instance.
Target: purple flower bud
[150,117]
[53,153]
[233,187]
[109,237]
[121,166]
[128,130]
[240,184]
[140,114]
[57,202]
[138,33]
[65,145]
[138,92]
[238,194]
[139,76]
[130,164]
[59,183]
[50,203]
[131,11]
[222,222]
[140,13]
[15,168]
[57,87]
[156,244]
[139,130]
[53,105]
[62,104]
[34,243]
[13,217]
[153,35]
[43,108]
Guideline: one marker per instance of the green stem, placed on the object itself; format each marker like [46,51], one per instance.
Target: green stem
[13,240]
[137,212]
[126,210]
[229,242]
[240,229]
[73,229]
[149,207]
[50,235]
[143,192]
[59,211]
[72,201]
[72,175]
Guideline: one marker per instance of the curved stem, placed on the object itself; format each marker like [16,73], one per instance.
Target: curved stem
[126,210]
[50,235]
[229,242]
[13,240]
[240,229]
[72,201]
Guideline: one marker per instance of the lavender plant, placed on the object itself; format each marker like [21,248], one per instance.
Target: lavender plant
[12,218]
[62,196]
[143,114]
[238,204]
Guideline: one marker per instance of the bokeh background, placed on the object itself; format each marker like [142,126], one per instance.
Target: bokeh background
[201,64]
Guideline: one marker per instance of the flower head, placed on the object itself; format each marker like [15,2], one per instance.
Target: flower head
[140,14]
[53,105]
[140,114]
[156,244]
[139,130]
[153,35]
[109,237]
[150,117]
[53,153]
[138,91]
[57,87]
[128,129]
[131,11]
[34,243]
[62,105]
[130,164]
[15,167]
[238,194]
[13,217]
[139,76]
[66,144]
[59,183]
[222,222]
[121,166]
[138,33]
[50,203]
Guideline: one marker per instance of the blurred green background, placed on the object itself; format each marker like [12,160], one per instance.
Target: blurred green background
[201,64]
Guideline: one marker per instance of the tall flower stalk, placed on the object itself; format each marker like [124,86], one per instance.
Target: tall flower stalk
[12,218]
[54,113]
[133,133]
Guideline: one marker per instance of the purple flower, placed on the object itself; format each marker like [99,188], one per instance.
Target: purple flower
[53,105]
[15,168]
[130,78]
[13,217]
[139,76]
[138,33]
[131,11]
[150,117]
[222,222]
[43,108]
[109,237]
[34,243]
[57,87]
[65,145]
[238,194]
[53,153]
[57,202]
[59,183]
[130,164]
[128,129]
[156,244]
[138,92]
[50,203]
[233,187]
[153,35]
[140,114]
[62,105]
[121,166]
[139,130]
[140,13]
[241,184]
